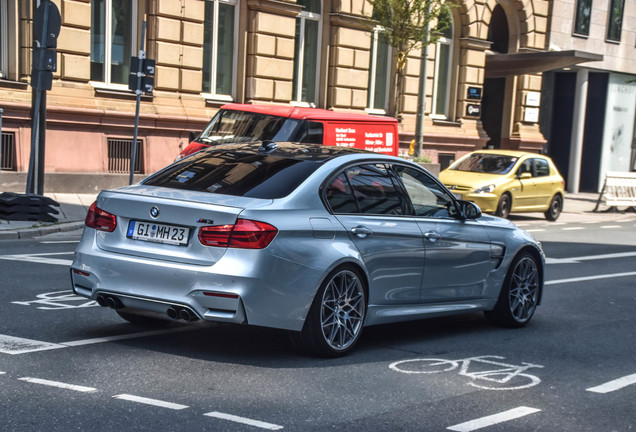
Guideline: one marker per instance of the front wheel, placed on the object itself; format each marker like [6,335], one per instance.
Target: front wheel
[556,206]
[335,320]
[503,208]
[519,294]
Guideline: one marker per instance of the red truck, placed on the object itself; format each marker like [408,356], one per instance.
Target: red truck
[244,123]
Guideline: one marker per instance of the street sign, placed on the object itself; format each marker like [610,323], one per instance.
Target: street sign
[53,24]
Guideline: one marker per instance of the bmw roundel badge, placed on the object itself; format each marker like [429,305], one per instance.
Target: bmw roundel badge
[154,211]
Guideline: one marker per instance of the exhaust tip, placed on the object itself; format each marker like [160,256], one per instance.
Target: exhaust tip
[186,315]
[114,302]
[101,300]
[173,313]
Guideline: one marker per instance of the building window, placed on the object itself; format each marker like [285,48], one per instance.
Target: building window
[218,48]
[443,72]
[113,40]
[307,52]
[615,20]
[582,19]
[378,73]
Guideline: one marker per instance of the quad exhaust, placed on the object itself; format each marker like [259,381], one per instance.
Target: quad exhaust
[184,314]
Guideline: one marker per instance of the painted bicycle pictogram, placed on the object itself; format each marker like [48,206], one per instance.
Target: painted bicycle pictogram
[486,372]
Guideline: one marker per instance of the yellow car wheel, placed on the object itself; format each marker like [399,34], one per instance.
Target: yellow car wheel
[503,208]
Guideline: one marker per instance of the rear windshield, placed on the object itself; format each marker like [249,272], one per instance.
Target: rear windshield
[235,173]
[229,126]
[486,163]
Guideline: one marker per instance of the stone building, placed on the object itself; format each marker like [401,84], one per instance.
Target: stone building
[483,88]
[588,110]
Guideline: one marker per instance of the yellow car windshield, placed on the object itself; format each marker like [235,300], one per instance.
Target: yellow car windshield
[486,163]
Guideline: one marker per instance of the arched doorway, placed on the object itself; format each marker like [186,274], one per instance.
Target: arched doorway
[494,93]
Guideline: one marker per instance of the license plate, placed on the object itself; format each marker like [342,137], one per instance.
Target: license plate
[158,233]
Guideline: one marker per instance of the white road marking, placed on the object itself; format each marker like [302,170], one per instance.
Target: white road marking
[14,345]
[148,401]
[610,226]
[40,258]
[535,230]
[575,260]
[2,373]
[59,241]
[589,278]
[243,420]
[572,228]
[493,419]
[614,385]
[58,384]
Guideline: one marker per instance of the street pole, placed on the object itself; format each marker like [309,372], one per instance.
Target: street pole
[140,74]
[421,92]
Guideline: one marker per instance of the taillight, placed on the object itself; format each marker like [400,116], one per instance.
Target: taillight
[245,234]
[100,219]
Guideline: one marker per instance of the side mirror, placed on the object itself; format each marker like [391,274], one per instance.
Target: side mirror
[468,210]
[525,176]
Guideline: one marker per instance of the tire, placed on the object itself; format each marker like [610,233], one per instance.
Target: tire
[503,207]
[556,206]
[519,294]
[336,317]
[142,320]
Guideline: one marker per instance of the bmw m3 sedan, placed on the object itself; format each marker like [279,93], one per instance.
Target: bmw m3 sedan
[321,241]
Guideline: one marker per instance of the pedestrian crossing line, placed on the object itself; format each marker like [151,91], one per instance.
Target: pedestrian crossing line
[494,419]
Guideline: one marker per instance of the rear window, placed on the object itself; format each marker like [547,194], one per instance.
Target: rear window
[235,173]
[486,163]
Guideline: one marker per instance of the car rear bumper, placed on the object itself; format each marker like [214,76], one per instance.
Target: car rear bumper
[242,287]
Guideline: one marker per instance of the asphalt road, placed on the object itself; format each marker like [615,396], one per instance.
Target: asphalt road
[66,364]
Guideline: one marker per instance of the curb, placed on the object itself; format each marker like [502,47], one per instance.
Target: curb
[29,233]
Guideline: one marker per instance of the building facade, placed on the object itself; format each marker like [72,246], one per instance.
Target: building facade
[588,110]
[483,86]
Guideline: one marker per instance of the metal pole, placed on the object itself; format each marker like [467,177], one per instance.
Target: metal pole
[421,93]
[142,56]
[1,111]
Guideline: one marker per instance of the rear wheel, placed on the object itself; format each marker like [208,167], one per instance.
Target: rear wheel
[519,294]
[554,211]
[335,320]
[142,320]
[503,208]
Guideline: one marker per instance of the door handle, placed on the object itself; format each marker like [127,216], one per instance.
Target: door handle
[432,236]
[361,231]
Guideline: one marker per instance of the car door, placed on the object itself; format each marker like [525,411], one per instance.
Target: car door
[458,257]
[525,196]
[545,183]
[366,201]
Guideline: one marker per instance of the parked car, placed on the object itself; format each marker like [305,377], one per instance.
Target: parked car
[504,182]
[317,240]
[235,123]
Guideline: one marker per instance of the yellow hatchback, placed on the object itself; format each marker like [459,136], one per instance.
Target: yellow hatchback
[504,182]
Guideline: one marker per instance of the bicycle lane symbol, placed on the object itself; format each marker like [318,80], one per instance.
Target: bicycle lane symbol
[486,372]
[58,300]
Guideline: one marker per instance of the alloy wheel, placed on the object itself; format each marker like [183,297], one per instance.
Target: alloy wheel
[524,289]
[342,310]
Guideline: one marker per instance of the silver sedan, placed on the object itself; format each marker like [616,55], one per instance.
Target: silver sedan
[318,240]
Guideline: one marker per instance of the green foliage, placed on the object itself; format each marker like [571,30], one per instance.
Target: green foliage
[406,26]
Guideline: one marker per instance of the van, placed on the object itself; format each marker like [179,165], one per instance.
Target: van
[235,123]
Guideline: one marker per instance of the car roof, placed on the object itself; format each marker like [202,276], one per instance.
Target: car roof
[305,113]
[512,153]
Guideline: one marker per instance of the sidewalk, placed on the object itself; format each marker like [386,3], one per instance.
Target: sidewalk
[73,208]
[578,208]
